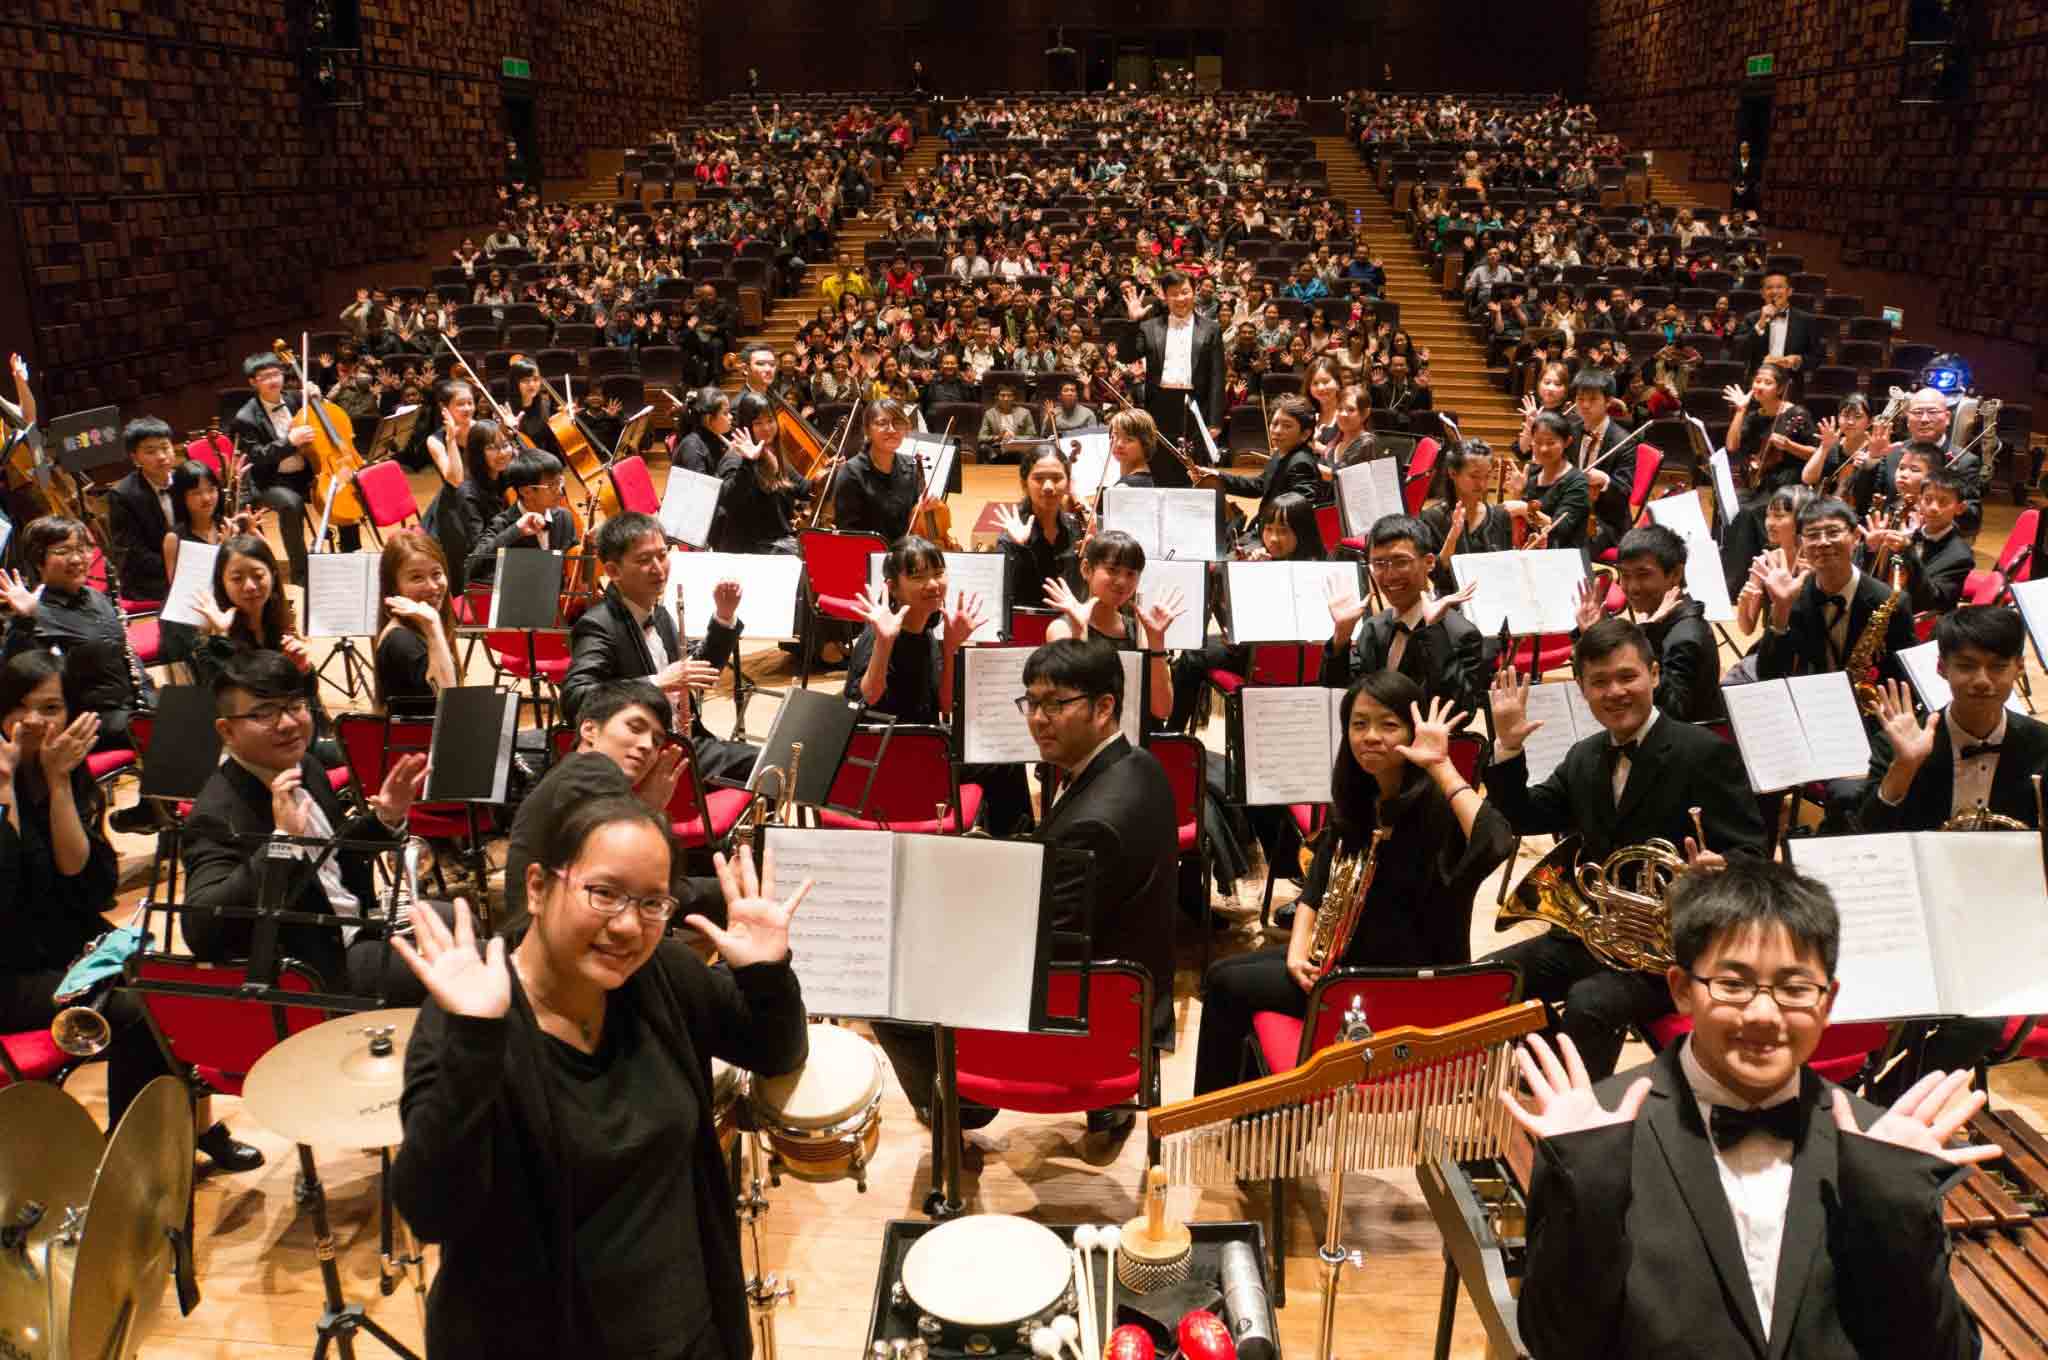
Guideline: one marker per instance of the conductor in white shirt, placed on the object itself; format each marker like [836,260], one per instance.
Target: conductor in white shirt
[1182,355]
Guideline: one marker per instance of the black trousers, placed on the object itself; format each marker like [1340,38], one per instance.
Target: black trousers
[133,1058]
[1169,411]
[1600,1003]
[1234,991]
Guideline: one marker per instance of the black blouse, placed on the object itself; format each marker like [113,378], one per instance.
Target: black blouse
[870,501]
[750,517]
[910,690]
[1037,560]
[1766,471]
[1567,501]
[48,918]
[1495,532]
[1418,911]
[402,672]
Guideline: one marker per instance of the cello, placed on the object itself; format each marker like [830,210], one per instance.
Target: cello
[332,450]
[803,447]
[581,453]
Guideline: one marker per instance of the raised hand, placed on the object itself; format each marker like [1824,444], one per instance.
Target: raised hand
[1510,700]
[1346,606]
[294,649]
[18,366]
[1737,395]
[448,966]
[1059,595]
[1012,524]
[1435,609]
[961,621]
[886,622]
[1562,1094]
[1924,1119]
[1590,606]
[1830,432]
[214,619]
[1912,740]
[20,596]
[1431,744]
[658,786]
[62,751]
[1781,584]
[744,444]
[1157,615]
[415,611]
[402,784]
[289,802]
[757,927]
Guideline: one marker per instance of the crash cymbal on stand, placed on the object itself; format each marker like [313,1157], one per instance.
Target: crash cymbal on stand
[336,1083]
[126,1253]
[49,1153]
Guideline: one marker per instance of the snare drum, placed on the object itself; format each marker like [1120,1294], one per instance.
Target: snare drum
[727,1086]
[822,1121]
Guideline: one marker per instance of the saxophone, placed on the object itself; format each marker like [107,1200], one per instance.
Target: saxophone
[1343,903]
[1861,663]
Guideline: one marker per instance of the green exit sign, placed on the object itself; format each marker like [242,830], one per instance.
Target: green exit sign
[518,68]
[1762,64]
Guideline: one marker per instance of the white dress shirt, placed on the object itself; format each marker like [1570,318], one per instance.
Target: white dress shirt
[1973,776]
[1780,323]
[1177,370]
[1398,648]
[1627,761]
[655,647]
[1756,1175]
[343,902]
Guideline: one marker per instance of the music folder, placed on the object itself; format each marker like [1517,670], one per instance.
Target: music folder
[633,433]
[1567,720]
[770,586]
[1168,521]
[824,723]
[1161,577]
[1682,515]
[341,594]
[1285,601]
[1532,590]
[470,758]
[688,504]
[1368,491]
[1798,730]
[940,930]
[938,460]
[394,432]
[1935,922]
[529,589]
[193,579]
[184,746]
[1290,737]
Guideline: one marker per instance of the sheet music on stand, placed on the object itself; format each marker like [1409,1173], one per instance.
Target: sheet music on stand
[529,589]
[688,505]
[1208,440]
[987,684]
[1290,738]
[984,573]
[2031,598]
[341,594]
[1921,665]
[1798,730]
[1703,579]
[770,590]
[1285,601]
[193,579]
[1168,522]
[1935,922]
[883,934]
[1367,492]
[394,432]
[633,434]
[1094,467]
[1567,720]
[938,460]
[1533,590]
[824,723]
[1726,499]
[470,756]
[1161,577]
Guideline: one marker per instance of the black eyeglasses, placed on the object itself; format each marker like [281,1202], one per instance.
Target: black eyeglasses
[1794,994]
[1052,705]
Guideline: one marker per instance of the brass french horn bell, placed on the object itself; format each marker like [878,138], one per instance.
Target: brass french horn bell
[1615,907]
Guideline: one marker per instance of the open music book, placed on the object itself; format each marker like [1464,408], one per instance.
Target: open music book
[1168,521]
[1935,922]
[1290,739]
[194,579]
[988,681]
[1534,590]
[1567,720]
[948,930]
[2032,599]
[341,594]
[688,504]
[394,432]
[1797,730]
[1366,492]
[1285,601]
[769,587]
[529,589]
[938,460]
[985,574]
[471,756]
[1931,685]
[1703,579]
[1161,577]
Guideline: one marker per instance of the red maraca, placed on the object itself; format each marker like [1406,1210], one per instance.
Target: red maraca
[1129,1342]
[1204,1337]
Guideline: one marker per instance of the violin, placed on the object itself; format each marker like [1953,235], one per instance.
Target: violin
[333,448]
[936,521]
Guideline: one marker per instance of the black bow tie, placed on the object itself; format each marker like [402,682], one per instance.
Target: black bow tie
[1618,751]
[1729,1126]
[1402,626]
[1982,748]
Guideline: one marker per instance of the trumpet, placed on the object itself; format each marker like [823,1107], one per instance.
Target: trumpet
[1616,907]
[761,810]
[1343,905]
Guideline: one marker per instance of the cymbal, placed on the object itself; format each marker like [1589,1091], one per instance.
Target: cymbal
[126,1254]
[327,1085]
[49,1155]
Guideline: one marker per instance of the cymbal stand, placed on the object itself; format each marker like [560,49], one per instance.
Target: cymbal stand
[397,1260]
[764,1291]
[340,1320]
[1333,1254]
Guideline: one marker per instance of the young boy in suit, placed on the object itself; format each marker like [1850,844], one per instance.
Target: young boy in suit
[1818,1215]
[1652,572]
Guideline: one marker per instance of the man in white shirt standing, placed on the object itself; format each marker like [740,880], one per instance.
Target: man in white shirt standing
[1179,355]
[1725,1200]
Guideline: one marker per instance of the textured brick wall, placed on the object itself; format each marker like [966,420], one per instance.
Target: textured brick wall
[1957,193]
[170,186]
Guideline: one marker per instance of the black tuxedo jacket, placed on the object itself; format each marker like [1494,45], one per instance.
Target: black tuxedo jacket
[1937,572]
[1299,472]
[1205,374]
[1442,658]
[1803,337]
[1802,649]
[1930,798]
[1610,508]
[1688,665]
[1677,767]
[1633,1249]
[1121,810]
[606,644]
[220,869]
[136,523]
[252,431]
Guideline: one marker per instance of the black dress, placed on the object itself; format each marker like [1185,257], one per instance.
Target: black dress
[867,500]
[1038,560]
[1495,532]
[751,518]
[402,673]
[1749,448]
[1568,502]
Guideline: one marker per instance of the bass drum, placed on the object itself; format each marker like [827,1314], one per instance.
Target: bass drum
[49,1155]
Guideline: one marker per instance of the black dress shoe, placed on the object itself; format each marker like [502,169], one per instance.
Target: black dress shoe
[1115,1123]
[225,1152]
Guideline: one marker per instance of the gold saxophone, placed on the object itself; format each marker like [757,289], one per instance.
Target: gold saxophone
[1861,664]
[1343,904]
[1616,907]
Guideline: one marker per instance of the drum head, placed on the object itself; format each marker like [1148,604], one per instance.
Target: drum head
[124,1257]
[987,1270]
[840,1078]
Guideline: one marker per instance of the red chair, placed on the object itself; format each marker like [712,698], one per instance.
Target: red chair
[2025,1037]
[1421,469]
[1649,461]
[1185,761]
[1388,997]
[635,487]
[836,571]
[387,497]
[1844,1050]
[1028,625]
[1112,1066]
[33,1055]
[2016,558]
[1983,587]
[207,1029]
[213,450]
[1274,663]
[373,743]
[915,776]
[1330,524]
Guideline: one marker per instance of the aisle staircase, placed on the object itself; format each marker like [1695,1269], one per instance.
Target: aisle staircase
[1457,355]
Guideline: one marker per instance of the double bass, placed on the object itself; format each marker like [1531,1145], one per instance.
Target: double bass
[332,450]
